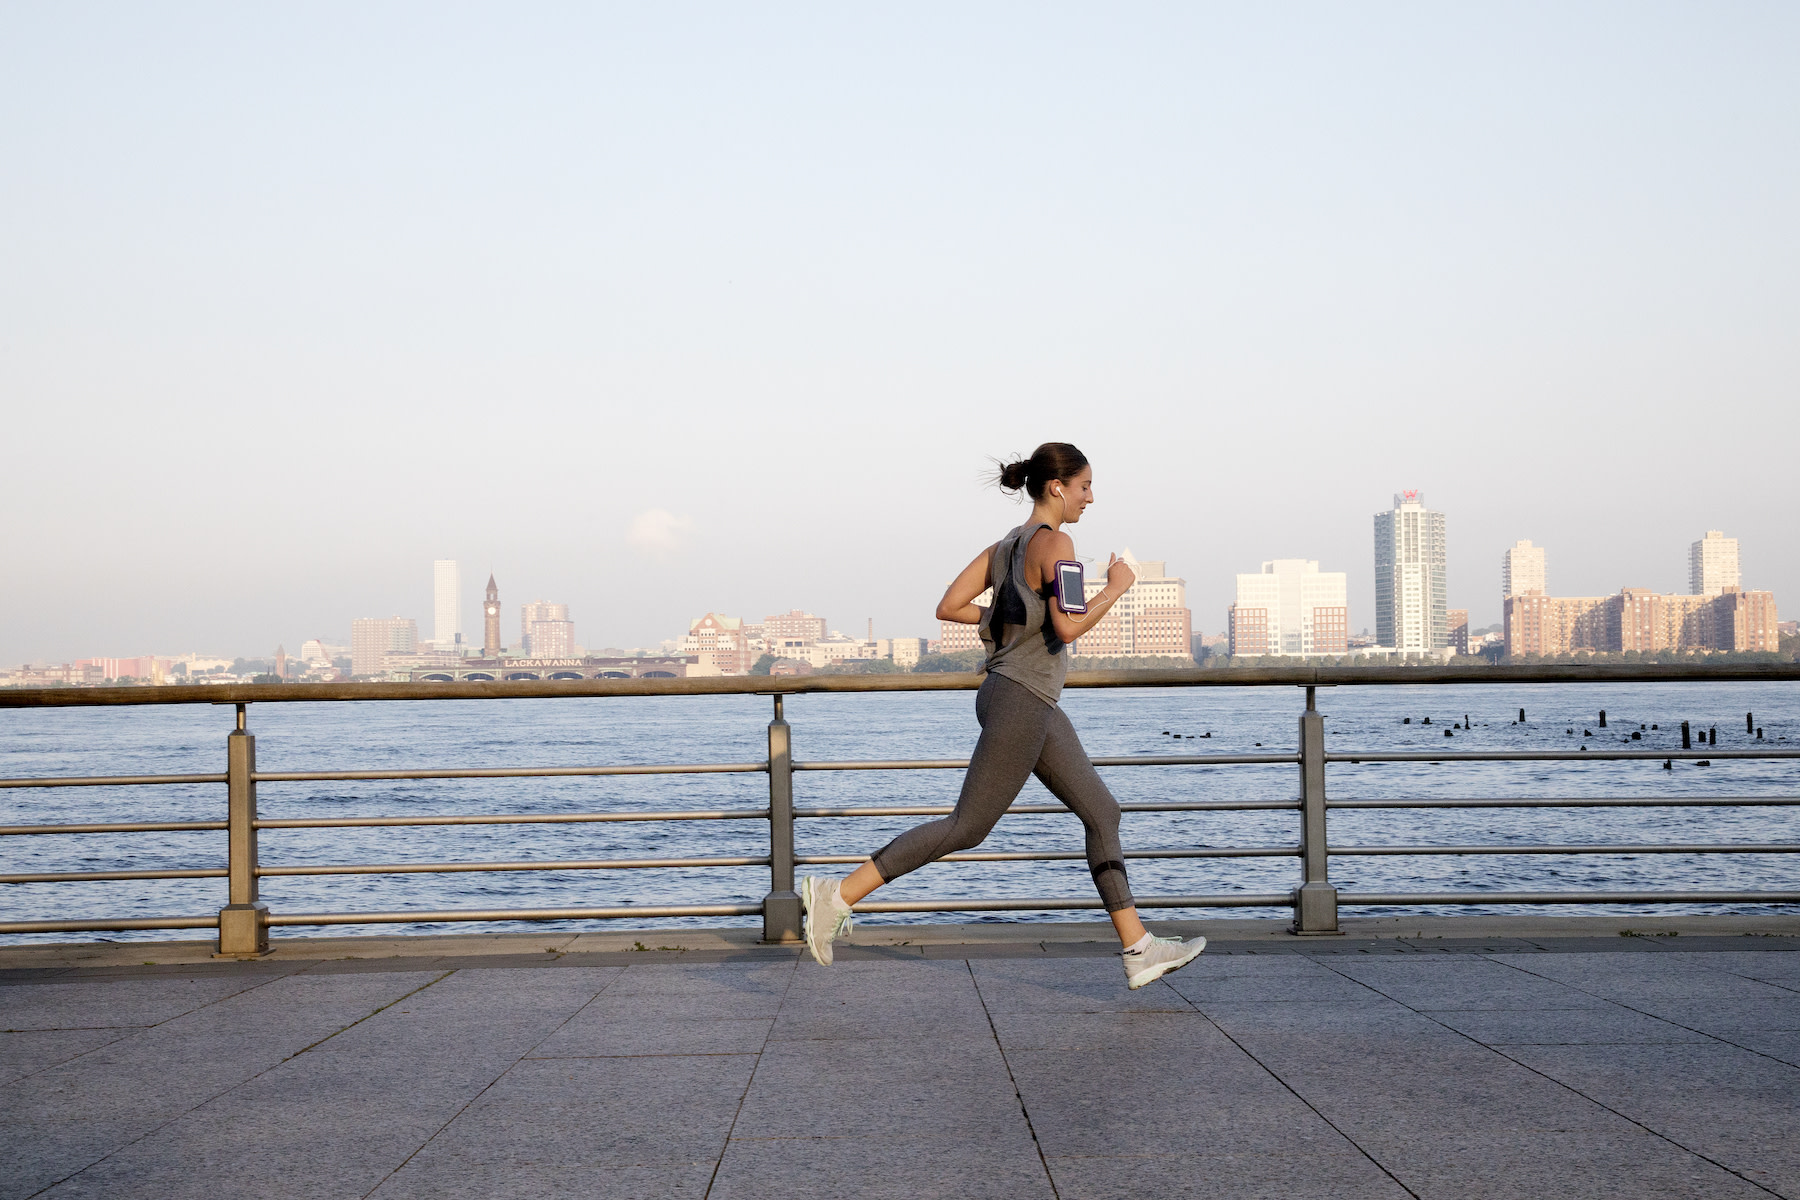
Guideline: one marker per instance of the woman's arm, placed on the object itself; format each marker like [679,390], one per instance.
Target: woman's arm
[1045,550]
[958,603]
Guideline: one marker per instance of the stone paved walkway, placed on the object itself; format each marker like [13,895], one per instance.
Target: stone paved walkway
[1630,1068]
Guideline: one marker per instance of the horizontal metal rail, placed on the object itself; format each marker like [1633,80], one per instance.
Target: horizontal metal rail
[512,914]
[1054,903]
[1406,898]
[749,768]
[114,827]
[586,818]
[1576,802]
[106,925]
[1031,904]
[580,864]
[1646,848]
[1434,756]
[637,864]
[1393,676]
[1070,855]
[107,876]
[107,780]
[1116,760]
[1032,810]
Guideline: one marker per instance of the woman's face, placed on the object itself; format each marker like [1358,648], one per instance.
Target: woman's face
[1077,494]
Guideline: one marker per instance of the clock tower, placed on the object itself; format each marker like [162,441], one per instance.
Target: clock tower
[490,612]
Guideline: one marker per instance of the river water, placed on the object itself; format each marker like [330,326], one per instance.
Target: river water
[155,740]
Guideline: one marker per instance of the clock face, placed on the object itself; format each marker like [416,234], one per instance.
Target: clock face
[493,610]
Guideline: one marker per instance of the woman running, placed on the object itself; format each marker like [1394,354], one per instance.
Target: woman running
[1023,730]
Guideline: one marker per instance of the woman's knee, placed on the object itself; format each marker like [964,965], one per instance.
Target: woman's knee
[965,835]
[1103,814]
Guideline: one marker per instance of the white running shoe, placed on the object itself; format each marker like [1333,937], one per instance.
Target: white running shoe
[1157,959]
[827,917]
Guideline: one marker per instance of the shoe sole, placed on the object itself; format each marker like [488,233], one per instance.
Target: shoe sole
[807,887]
[1157,972]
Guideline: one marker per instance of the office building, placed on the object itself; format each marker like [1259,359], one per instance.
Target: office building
[905,651]
[1459,630]
[1411,589]
[1290,608]
[1713,564]
[545,630]
[1522,570]
[718,645]
[794,625]
[372,639]
[446,604]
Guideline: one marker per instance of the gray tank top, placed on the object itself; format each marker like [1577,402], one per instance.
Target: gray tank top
[1020,640]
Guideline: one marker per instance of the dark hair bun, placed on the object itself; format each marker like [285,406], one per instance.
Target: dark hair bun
[1050,461]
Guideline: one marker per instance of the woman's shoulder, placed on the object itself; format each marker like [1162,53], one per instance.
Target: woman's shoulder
[1053,542]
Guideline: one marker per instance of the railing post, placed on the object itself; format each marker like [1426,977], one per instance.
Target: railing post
[781,907]
[242,928]
[1315,902]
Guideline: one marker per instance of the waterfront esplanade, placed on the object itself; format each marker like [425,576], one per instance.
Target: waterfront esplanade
[490,670]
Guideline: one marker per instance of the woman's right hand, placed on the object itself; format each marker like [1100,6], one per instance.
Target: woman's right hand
[1119,575]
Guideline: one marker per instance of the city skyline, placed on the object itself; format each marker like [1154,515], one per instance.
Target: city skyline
[1258,264]
[1712,564]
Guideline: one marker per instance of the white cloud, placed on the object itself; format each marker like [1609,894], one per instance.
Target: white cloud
[659,532]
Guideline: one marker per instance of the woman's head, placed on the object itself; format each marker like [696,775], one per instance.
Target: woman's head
[1055,471]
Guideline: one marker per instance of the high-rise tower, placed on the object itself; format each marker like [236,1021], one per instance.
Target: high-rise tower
[490,613]
[1713,564]
[446,604]
[1411,593]
[1522,570]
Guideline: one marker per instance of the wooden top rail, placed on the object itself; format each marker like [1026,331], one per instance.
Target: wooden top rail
[800,685]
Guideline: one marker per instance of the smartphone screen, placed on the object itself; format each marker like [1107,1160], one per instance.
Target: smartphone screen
[1069,590]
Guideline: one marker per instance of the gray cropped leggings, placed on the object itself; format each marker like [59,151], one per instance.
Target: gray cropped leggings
[1020,736]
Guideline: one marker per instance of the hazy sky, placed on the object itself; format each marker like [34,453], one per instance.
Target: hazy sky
[295,299]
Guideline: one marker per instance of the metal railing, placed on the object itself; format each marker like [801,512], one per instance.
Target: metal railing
[244,921]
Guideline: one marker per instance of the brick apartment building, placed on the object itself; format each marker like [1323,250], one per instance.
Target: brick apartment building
[1643,620]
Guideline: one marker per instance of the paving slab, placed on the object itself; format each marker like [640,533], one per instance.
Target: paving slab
[877,1166]
[27,1052]
[1618,1163]
[1204,1173]
[1733,1106]
[1565,1027]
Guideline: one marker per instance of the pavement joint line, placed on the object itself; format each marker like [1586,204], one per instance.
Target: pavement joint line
[481,1091]
[1295,1093]
[743,1096]
[1024,1109]
[1569,1087]
[366,1016]
[125,1032]
[1670,1021]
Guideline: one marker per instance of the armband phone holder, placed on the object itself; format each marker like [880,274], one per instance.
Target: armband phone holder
[1071,588]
